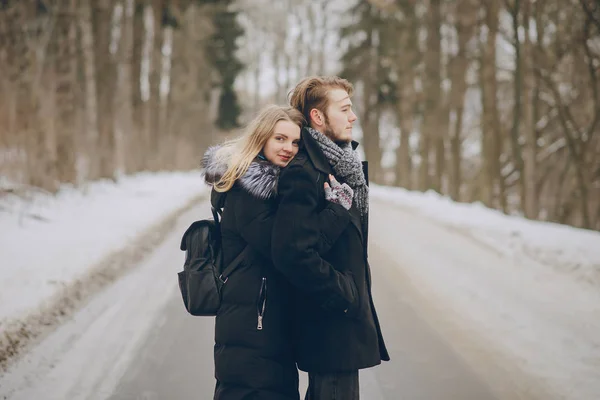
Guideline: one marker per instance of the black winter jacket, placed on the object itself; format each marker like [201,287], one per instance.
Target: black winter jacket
[253,329]
[336,325]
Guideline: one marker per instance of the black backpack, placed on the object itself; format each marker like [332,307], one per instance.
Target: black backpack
[204,274]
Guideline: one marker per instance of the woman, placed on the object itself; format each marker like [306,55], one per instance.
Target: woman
[253,353]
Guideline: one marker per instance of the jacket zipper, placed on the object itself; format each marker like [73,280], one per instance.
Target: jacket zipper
[262,303]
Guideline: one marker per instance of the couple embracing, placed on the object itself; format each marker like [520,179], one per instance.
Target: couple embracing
[297,205]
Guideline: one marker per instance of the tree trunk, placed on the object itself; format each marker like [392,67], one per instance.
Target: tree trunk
[126,138]
[405,120]
[28,129]
[466,14]
[138,105]
[407,61]
[188,106]
[180,98]
[430,133]
[530,152]
[577,155]
[106,77]
[66,80]
[440,147]
[518,94]
[154,104]
[166,142]
[91,96]
[456,155]
[369,120]
[369,123]
[490,126]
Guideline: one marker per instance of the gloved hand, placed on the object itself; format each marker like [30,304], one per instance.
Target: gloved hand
[338,193]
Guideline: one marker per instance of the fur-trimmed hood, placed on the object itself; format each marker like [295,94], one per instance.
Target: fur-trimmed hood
[260,179]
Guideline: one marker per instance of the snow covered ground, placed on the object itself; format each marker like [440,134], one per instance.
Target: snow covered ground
[47,242]
[575,252]
[57,251]
[518,298]
[538,300]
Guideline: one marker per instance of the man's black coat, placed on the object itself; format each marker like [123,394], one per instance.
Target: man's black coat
[336,327]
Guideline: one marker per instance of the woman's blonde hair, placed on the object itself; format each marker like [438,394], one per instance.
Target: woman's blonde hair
[239,153]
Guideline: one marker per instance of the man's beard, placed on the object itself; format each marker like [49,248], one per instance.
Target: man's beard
[327,131]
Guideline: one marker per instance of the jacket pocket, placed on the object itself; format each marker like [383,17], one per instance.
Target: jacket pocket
[261,305]
[354,308]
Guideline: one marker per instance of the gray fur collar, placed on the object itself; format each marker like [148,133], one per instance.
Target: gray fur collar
[260,180]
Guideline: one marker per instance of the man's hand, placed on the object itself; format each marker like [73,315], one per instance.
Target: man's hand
[338,193]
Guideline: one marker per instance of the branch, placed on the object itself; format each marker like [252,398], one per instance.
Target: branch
[564,119]
[590,13]
[547,172]
[560,187]
[592,70]
[551,149]
[512,8]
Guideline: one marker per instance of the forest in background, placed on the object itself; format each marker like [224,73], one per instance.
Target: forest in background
[482,100]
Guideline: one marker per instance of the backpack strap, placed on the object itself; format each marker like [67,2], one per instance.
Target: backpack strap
[217,201]
[217,214]
[234,264]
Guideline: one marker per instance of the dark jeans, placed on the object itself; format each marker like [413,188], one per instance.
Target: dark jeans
[335,386]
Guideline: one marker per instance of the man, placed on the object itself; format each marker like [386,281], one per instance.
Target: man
[336,330]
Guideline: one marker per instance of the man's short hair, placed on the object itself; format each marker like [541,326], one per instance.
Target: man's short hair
[312,93]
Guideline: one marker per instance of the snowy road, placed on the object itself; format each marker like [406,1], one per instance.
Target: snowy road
[176,361]
[135,341]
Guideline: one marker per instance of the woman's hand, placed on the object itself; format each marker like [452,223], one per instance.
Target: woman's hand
[338,193]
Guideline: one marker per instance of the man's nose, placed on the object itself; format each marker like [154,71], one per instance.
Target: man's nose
[352,117]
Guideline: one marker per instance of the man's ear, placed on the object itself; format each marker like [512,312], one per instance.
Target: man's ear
[317,118]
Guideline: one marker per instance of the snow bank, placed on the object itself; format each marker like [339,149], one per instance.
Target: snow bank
[47,242]
[573,251]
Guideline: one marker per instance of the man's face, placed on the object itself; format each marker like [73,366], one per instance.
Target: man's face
[339,117]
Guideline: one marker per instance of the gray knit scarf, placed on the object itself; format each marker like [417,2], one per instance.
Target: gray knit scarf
[347,167]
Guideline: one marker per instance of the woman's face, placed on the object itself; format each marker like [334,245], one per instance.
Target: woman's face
[282,146]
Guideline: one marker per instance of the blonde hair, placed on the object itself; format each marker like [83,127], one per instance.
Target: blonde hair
[239,153]
[312,93]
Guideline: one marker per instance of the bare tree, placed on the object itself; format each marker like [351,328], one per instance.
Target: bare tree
[154,114]
[126,136]
[88,62]
[407,60]
[429,135]
[465,22]
[26,30]
[529,177]
[491,130]
[139,104]
[106,77]
[65,61]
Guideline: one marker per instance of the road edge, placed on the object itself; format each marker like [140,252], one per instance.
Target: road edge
[19,335]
